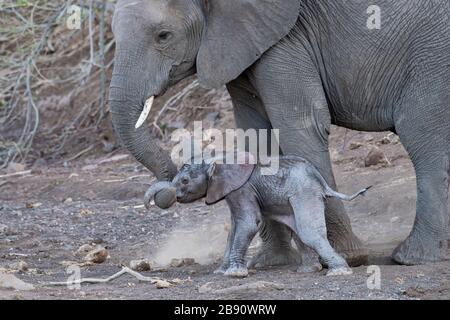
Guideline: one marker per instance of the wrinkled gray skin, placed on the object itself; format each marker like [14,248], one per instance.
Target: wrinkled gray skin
[294,197]
[300,66]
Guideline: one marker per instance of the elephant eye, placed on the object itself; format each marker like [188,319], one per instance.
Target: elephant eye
[185,181]
[164,36]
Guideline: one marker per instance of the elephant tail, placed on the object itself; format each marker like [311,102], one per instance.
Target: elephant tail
[329,192]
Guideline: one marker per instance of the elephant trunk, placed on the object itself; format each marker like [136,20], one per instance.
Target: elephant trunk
[128,93]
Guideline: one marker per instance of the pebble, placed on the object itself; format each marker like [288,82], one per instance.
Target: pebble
[176,263]
[33,205]
[355,145]
[376,157]
[98,255]
[390,138]
[162,284]
[140,265]
[21,266]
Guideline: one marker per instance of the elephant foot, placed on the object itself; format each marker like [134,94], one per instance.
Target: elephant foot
[270,256]
[341,271]
[237,272]
[416,250]
[351,249]
[221,270]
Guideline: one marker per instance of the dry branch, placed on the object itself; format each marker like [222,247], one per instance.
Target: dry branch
[122,272]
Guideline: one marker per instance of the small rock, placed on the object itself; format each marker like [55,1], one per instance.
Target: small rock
[376,157]
[390,138]
[385,140]
[11,282]
[98,255]
[140,265]
[176,263]
[33,205]
[355,145]
[86,212]
[188,261]
[68,200]
[21,266]
[162,284]
[166,198]
[84,249]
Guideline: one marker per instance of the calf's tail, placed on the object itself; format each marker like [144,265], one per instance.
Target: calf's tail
[331,193]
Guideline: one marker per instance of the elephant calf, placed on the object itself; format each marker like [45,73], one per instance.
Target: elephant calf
[294,196]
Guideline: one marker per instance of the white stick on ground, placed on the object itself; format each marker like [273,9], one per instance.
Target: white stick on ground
[124,270]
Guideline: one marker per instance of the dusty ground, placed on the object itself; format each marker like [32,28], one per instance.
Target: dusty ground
[44,228]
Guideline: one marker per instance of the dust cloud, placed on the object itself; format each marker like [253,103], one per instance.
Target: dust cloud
[205,243]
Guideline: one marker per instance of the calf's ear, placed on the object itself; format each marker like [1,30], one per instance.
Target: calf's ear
[226,178]
[238,32]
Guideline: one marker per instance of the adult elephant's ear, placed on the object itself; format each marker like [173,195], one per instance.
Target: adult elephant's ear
[238,32]
[226,178]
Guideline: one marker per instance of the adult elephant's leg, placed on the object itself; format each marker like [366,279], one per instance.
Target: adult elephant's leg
[425,132]
[291,89]
[276,238]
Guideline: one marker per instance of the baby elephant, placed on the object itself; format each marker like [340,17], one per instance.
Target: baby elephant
[293,196]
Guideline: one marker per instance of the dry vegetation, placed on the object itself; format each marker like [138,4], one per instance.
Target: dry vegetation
[54,84]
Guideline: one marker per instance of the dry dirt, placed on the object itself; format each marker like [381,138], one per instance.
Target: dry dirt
[44,228]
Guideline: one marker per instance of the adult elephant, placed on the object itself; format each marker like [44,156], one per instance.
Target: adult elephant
[300,66]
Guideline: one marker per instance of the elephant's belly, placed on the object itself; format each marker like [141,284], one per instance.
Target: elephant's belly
[368,122]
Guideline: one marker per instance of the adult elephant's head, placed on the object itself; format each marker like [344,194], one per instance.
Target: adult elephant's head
[160,42]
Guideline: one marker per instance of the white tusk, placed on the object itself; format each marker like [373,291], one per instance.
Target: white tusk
[147,107]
